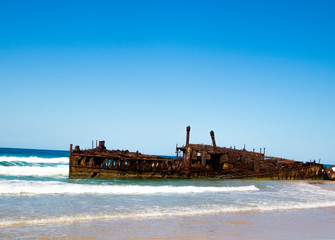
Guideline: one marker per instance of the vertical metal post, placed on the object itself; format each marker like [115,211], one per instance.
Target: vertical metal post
[70,161]
[203,159]
[188,129]
[71,147]
[213,139]
[188,158]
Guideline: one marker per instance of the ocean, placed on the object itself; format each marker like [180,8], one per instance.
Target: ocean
[35,191]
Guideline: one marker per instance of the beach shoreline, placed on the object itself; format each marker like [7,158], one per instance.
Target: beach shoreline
[312,223]
[326,185]
[38,201]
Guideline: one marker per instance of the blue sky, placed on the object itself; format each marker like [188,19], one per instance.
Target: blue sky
[136,73]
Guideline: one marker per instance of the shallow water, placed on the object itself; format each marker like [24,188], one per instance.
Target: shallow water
[35,190]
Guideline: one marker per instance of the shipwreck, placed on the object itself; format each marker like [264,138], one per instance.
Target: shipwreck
[191,161]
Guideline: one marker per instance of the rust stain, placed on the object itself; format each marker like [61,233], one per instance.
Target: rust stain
[191,161]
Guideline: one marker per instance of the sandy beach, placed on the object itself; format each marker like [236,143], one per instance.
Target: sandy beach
[294,224]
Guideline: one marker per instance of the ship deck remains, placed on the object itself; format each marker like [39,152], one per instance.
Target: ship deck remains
[191,161]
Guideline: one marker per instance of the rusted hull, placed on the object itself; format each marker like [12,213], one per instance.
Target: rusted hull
[175,169]
[118,174]
[183,175]
[192,161]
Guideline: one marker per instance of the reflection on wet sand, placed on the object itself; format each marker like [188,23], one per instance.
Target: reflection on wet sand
[293,224]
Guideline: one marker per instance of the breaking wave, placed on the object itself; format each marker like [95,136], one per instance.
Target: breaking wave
[19,187]
[59,170]
[34,159]
[166,212]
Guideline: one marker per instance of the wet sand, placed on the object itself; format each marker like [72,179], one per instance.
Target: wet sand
[293,224]
[327,185]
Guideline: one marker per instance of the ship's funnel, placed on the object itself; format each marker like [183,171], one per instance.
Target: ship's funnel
[188,129]
[213,139]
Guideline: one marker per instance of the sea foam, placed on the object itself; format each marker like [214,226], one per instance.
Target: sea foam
[18,187]
[164,212]
[34,159]
[59,170]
